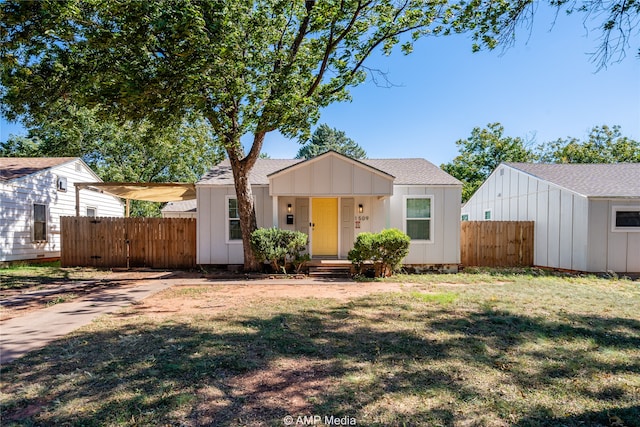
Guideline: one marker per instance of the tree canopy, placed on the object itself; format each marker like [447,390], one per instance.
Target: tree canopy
[604,145]
[325,138]
[247,67]
[482,152]
[122,152]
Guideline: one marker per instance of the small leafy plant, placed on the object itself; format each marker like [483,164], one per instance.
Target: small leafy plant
[278,246]
[385,250]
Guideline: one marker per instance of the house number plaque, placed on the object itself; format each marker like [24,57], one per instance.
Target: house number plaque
[359,218]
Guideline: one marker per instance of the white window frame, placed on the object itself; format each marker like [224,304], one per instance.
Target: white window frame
[227,219]
[61,184]
[484,215]
[430,219]
[33,223]
[462,217]
[627,208]
[95,210]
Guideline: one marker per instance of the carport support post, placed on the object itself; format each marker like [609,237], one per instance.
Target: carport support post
[126,211]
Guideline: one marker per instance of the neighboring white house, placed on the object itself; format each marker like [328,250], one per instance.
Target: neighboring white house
[332,198]
[34,194]
[180,209]
[587,216]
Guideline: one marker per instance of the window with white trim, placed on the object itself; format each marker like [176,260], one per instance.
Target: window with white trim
[487,214]
[418,217]
[625,218]
[92,212]
[234,233]
[62,183]
[465,217]
[39,222]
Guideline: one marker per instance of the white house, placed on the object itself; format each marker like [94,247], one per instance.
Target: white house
[332,198]
[587,216]
[34,194]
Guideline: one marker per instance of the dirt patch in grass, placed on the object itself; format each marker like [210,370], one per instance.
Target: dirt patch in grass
[193,299]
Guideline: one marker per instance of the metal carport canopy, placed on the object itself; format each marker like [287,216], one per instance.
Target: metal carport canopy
[149,191]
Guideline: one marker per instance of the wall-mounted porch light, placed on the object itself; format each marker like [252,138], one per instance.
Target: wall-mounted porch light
[289,208]
[360,208]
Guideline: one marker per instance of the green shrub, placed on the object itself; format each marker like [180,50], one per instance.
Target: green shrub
[278,246]
[386,250]
[393,246]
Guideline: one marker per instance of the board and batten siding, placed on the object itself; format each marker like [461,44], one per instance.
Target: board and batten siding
[611,250]
[444,247]
[571,231]
[331,176]
[560,216]
[212,243]
[16,209]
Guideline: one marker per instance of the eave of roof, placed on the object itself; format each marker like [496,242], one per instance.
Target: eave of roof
[12,168]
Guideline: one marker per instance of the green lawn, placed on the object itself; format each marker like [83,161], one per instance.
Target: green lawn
[482,349]
[32,276]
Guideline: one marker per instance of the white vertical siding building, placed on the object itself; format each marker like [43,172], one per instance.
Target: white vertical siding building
[34,194]
[587,216]
[332,198]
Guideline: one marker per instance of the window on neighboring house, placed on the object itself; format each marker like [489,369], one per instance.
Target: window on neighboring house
[39,222]
[465,217]
[487,214]
[418,218]
[92,212]
[233,220]
[626,218]
[62,183]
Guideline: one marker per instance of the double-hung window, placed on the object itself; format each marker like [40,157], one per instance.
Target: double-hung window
[233,220]
[418,217]
[39,222]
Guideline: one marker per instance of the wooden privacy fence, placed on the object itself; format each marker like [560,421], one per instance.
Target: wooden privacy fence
[128,242]
[496,243]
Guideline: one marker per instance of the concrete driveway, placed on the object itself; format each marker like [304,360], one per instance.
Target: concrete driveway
[38,328]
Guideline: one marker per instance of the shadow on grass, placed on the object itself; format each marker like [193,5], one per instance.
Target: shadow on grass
[384,362]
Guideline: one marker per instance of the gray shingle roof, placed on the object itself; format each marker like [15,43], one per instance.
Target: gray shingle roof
[181,206]
[413,171]
[17,167]
[221,174]
[405,171]
[590,180]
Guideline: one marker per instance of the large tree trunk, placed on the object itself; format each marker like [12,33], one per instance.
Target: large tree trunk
[248,224]
[247,212]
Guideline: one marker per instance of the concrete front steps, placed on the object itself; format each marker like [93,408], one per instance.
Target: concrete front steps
[329,268]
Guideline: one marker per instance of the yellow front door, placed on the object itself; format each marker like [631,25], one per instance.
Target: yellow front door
[324,223]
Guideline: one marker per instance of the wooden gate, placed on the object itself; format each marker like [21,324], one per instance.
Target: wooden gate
[496,243]
[128,242]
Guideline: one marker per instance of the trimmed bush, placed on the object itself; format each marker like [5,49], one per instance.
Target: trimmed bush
[386,250]
[278,246]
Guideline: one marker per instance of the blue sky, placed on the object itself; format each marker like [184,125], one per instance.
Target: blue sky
[543,88]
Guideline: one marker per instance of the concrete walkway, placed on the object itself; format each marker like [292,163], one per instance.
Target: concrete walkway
[38,328]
